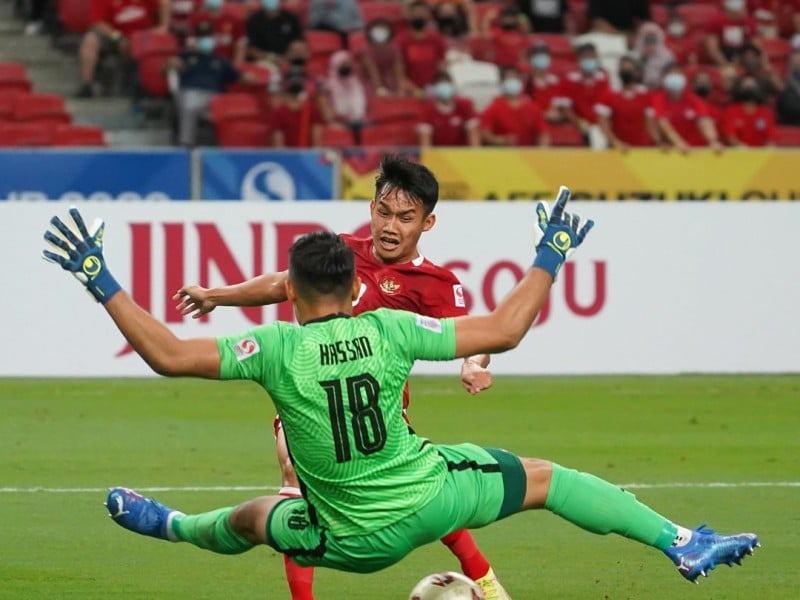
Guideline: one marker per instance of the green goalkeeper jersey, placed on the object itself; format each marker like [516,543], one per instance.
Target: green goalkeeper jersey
[337,384]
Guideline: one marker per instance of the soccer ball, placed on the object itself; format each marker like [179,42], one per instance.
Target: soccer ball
[446,586]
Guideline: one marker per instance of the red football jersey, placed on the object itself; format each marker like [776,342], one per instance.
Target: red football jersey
[755,128]
[627,111]
[582,93]
[525,120]
[449,124]
[422,56]
[126,16]
[683,114]
[544,91]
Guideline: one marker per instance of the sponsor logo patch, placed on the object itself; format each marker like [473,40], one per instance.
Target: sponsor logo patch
[246,348]
[429,323]
[458,295]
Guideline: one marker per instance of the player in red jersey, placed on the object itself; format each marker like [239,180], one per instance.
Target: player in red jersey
[393,274]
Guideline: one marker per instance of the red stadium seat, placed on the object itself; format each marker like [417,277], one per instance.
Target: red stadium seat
[357,42]
[698,16]
[233,107]
[47,108]
[777,51]
[6,107]
[394,109]
[560,45]
[243,133]
[151,49]
[74,15]
[25,134]
[390,134]
[561,65]
[258,88]
[323,42]
[481,48]
[392,11]
[580,15]
[13,77]
[237,10]
[336,136]
[566,134]
[787,137]
[659,14]
[78,135]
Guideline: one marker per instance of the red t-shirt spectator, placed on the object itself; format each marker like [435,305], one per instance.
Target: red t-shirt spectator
[582,92]
[525,121]
[227,30]
[295,124]
[732,32]
[628,111]
[755,128]
[683,114]
[449,124]
[717,115]
[180,12]
[508,46]
[126,16]
[544,90]
[422,56]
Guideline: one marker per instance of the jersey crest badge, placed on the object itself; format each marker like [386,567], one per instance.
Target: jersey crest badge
[458,296]
[389,286]
[246,348]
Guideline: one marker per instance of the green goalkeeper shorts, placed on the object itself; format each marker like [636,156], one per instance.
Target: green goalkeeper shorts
[482,485]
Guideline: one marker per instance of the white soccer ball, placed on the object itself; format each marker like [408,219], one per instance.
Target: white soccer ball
[447,585]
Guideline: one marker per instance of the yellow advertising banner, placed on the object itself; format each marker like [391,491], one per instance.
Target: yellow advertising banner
[514,174]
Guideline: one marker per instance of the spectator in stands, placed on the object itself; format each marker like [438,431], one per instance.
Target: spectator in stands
[727,35]
[703,87]
[789,100]
[270,30]
[619,16]
[747,121]
[453,22]
[202,76]
[512,119]
[583,88]
[381,60]
[547,16]
[345,98]
[340,16]
[679,41]
[509,37]
[625,116]
[752,63]
[682,117]
[650,49]
[448,119]
[296,122]
[228,29]
[543,85]
[181,12]
[422,48]
[113,21]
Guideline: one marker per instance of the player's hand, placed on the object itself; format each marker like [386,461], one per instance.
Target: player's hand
[474,377]
[557,234]
[80,251]
[193,300]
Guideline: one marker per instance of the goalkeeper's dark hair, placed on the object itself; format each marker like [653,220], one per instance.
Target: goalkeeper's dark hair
[416,180]
[321,264]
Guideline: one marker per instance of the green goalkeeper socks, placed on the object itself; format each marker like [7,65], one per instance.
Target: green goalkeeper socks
[211,531]
[600,507]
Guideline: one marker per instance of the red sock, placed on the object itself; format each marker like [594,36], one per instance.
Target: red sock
[300,579]
[473,563]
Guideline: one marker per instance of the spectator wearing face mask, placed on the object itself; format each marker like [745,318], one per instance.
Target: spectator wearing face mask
[682,117]
[453,21]
[788,105]
[619,16]
[345,98]
[512,119]
[381,59]
[727,35]
[747,121]
[650,49]
[625,115]
[296,121]
[270,30]
[703,87]
[228,29]
[753,64]
[448,119]
[509,37]
[202,75]
[583,88]
[422,48]
[548,16]
[543,85]
[340,16]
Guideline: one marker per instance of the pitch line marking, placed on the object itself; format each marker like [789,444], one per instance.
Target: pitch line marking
[273,488]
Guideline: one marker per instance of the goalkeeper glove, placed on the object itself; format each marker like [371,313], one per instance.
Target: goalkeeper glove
[82,256]
[557,234]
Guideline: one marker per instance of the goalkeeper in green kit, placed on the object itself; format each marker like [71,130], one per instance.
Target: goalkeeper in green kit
[373,490]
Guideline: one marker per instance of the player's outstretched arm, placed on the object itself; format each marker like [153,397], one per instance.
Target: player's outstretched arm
[503,328]
[81,253]
[269,288]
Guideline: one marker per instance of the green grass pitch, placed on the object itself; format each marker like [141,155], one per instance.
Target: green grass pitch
[671,436]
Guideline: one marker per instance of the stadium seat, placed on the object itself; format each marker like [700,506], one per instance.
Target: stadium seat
[323,42]
[357,42]
[777,51]
[377,9]
[25,134]
[660,14]
[74,15]
[481,48]
[258,88]
[390,134]
[78,135]
[237,10]
[393,109]
[150,49]
[566,134]
[13,77]
[243,133]
[42,108]
[6,107]
[698,16]
[560,45]
[580,15]
[233,107]
[336,136]
[787,137]
[561,65]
